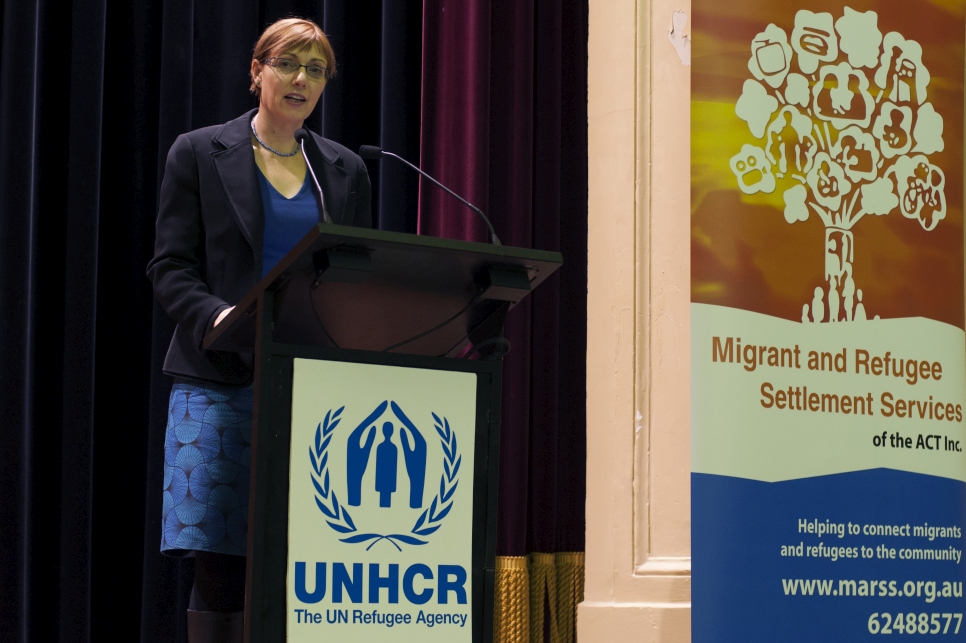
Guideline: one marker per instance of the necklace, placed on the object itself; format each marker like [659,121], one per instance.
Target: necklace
[270,149]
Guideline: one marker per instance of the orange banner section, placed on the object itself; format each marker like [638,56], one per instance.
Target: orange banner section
[827,159]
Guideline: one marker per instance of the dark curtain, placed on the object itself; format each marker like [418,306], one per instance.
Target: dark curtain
[92,94]
[506,126]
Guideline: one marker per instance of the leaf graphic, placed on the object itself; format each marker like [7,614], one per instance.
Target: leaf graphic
[348,518]
[318,487]
[445,497]
[359,538]
[409,540]
[442,514]
[427,531]
[339,528]
[422,519]
[325,510]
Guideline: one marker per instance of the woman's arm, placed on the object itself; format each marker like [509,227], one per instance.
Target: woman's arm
[178,269]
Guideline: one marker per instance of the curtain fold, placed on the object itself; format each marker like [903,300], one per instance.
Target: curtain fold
[80,288]
[18,195]
[396,186]
[504,124]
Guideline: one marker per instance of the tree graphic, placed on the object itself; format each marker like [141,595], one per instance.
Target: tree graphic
[845,130]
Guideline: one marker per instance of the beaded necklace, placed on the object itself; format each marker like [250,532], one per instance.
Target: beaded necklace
[270,149]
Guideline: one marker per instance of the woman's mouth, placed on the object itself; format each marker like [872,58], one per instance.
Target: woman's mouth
[295,99]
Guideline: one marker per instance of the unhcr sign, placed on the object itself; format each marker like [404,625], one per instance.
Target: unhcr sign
[380,503]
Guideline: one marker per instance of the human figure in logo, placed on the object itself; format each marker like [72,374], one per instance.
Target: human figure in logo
[860,314]
[386,456]
[833,300]
[848,293]
[818,305]
[415,456]
[357,454]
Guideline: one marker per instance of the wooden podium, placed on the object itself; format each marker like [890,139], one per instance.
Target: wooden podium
[424,309]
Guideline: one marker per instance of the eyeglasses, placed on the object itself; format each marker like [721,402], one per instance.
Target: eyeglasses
[288,67]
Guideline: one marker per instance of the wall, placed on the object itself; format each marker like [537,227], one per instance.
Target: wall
[638,566]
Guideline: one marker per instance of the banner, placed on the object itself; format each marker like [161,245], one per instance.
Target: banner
[380,503]
[828,353]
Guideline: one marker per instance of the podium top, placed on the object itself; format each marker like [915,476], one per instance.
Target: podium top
[381,291]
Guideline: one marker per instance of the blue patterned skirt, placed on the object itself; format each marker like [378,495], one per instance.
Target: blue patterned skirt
[207,461]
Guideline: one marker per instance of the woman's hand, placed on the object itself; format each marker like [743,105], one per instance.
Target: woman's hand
[222,315]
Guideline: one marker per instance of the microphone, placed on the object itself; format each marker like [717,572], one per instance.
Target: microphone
[372,152]
[301,135]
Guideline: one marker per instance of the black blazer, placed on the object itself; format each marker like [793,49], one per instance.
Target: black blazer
[210,228]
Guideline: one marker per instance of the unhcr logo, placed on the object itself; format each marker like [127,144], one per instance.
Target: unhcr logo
[376,442]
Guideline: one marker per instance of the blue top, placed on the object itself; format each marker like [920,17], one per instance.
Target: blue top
[286,220]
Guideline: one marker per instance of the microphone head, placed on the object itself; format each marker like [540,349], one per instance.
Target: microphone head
[301,134]
[370,152]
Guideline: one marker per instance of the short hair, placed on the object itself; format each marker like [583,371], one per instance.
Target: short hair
[290,34]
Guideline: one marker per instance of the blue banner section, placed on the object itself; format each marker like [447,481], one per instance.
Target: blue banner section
[847,557]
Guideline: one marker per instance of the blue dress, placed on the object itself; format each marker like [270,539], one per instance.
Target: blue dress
[207,449]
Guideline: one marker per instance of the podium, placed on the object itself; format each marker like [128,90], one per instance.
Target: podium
[376,427]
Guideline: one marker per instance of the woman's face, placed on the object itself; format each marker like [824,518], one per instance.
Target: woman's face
[289,97]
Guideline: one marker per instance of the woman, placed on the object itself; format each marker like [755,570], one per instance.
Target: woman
[235,198]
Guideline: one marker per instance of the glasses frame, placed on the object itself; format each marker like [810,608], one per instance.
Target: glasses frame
[272,62]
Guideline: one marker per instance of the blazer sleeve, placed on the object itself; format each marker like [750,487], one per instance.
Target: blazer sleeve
[178,270]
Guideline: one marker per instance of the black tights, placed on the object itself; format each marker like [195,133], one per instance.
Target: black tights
[219,583]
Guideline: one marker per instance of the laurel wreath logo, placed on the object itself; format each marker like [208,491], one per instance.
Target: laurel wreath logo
[337,515]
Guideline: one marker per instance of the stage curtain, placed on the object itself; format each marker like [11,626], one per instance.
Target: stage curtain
[504,123]
[92,94]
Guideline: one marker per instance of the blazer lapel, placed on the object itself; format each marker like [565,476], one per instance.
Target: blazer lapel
[235,166]
[333,179]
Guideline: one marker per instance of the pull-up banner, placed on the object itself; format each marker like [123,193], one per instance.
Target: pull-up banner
[828,354]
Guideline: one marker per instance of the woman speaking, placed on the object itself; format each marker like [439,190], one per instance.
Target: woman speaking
[235,199]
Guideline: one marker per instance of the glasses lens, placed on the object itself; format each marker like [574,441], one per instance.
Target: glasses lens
[286,65]
[316,72]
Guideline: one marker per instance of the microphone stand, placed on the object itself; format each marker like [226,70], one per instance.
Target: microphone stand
[373,152]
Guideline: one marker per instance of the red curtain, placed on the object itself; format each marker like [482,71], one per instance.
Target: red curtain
[504,124]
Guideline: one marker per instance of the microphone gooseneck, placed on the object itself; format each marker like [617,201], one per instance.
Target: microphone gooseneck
[301,135]
[373,152]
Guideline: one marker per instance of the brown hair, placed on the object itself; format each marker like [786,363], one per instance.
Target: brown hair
[291,34]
